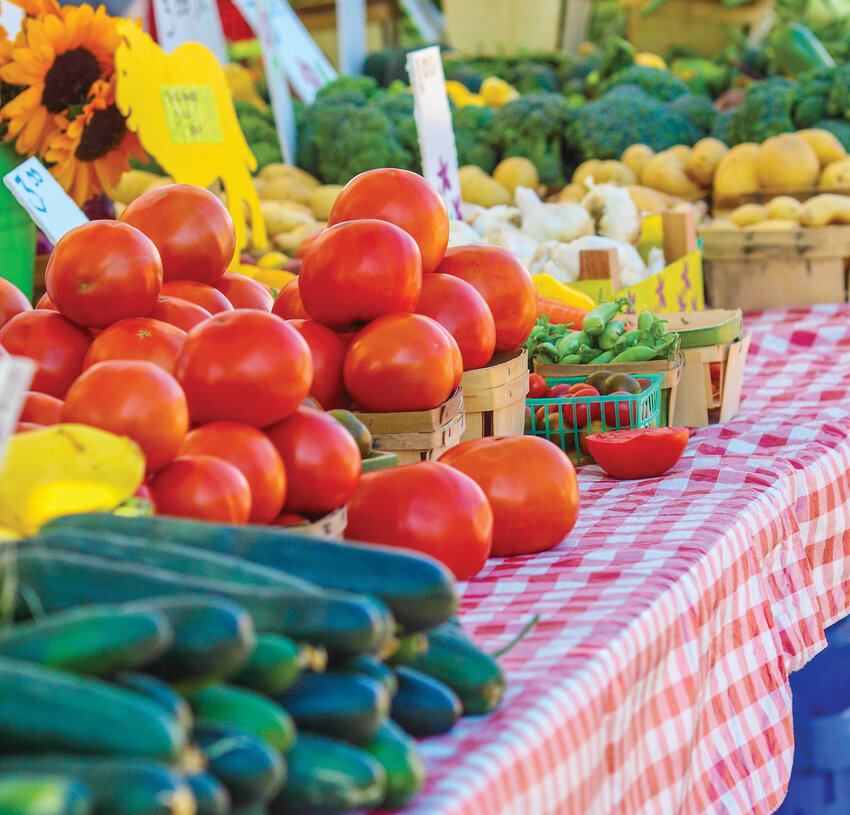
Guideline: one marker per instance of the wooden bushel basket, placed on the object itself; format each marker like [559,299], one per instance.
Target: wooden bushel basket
[494,396]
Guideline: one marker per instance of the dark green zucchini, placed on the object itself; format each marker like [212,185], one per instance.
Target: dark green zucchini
[26,794]
[252,771]
[158,692]
[372,667]
[419,590]
[399,756]
[328,777]
[95,640]
[211,796]
[423,706]
[277,662]
[119,786]
[349,708]
[46,710]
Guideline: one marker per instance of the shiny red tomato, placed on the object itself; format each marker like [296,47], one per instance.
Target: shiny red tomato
[179,312]
[576,415]
[561,390]
[200,294]
[25,427]
[56,345]
[503,282]
[242,292]
[402,198]
[251,452]
[531,486]
[45,302]
[457,358]
[138,338]
[305,245]
[202,487]
[288,305]
[321,459]
[102,272]
[463,312]
[244,366]
[428,507]
[537,387]
[400,362]
[359,270]
[132,398]
[190,227]
[622,410]
[327,350]
[12,301]
[644,453]
[41,408]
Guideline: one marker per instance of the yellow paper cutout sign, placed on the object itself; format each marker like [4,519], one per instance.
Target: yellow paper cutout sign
[181,108]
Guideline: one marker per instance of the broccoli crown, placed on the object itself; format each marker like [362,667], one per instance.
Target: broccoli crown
[471,125]
[260,132]
[838,106]
[839,128]
[765,112]
[658,83]
[721,126]
[343,86]
[266,153]
[627,115]
[532,77]
[699,109]
[398,108]
[810,97]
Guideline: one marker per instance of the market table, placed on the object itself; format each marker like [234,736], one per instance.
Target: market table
[656,680]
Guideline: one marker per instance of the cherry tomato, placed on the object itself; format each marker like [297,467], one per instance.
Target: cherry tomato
[251,452]
[400,362]
[201,294]
[321,459]
[45,302]
[244,366]
[640,453]
[288,303]
[503,282]
[138,338]
[132,398]
[179,312]
[402,198]
[242,292]
[428,507]
[531,486]
[203,487]
[102,272]
[358,270]
[327,350]
[537,387]
[462,311]
[41,408]
[190,227]
[57,346]
[12,301]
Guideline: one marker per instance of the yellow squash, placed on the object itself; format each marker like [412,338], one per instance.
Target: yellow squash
[547,286]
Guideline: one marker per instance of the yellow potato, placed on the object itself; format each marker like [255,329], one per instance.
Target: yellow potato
[787,162]
[280,219]
[721,225]
[516,171]
[682,152]
[273,171]
[736,173]
[585,170]
[572,194]
[825,209]
[666,173]
[783,208]
[779,225]
[470,171]
[637,157]
[825,144]
[705,157]
[836,176]
[322,200]
[748,214]
[290,241]
[132,184]
[615,172]
[484,191]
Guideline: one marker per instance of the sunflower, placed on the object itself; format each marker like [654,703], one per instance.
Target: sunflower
[55,63]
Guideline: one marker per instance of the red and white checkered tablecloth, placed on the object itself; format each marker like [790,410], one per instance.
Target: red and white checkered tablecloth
[656,680]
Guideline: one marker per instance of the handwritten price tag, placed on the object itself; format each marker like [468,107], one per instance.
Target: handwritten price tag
[191,114]
[38,192]
[16,374]
[179,21]
[434,125]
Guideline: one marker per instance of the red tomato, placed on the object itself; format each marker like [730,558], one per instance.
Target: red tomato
[504,283]
[400,362]
[41,408]
[288,303]
[190,227]
[244,366]
[327,350]
[457,359]
[138,338]
[621,409]
[56,345]
[645,453]
[242,292]
[179,312]
[12,301]
[305,245]
[321,459]
[428,507]
[200,294]
[45,302]
[359,270]
[401,198]
[559,391]
[462,311]
[537,387]
[102,272]
[132,398]
[531,486]
[576,415]
[24,427]
[251,452]
[202,487]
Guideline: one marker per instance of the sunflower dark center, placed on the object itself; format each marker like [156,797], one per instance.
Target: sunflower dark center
[102,134]
[69,79]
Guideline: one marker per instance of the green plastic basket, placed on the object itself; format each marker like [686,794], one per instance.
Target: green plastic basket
[602,413]
[17,231]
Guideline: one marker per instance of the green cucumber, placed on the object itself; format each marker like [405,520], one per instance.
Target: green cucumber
[277,662]
[42,709]
[247,710]
[25,794]
[349,708]
[158,692]
[374,669]
[423,706]
[453,659]
[211,796]
[327,777]
[252,771]
[96,640]
[400,758]
[419,590]
[119,786]
[408,647]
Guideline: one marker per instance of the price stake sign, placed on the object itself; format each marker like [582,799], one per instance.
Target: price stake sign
[16,374]
[434,125]
[191,114]
[179,21]
[39,193]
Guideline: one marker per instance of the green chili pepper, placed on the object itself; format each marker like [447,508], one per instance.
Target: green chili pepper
[645,321]
[639,353]
[613,331]
[595,321]
[572,359]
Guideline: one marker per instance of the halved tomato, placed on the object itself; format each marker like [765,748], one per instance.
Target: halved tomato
[639,453]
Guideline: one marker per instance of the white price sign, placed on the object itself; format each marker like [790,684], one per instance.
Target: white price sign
[434,125]
[39,193]
[179,21]
[16,374]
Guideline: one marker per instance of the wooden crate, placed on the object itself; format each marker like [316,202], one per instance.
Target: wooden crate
[723,205]
[494,396]
[376,460]
[754,270]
